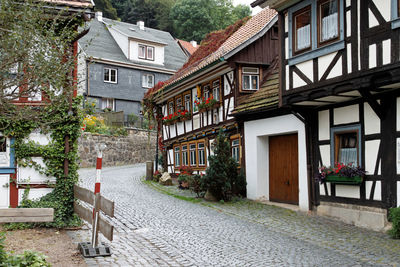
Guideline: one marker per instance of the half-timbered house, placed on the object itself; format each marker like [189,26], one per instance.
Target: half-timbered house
[198,101]
[16,177]
[339,72]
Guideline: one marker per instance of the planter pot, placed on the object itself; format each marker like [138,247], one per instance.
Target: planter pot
[336,179]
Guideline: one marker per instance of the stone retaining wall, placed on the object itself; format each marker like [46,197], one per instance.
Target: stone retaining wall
[137,147]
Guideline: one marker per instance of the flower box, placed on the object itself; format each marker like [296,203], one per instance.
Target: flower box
[338,179]
[341,174]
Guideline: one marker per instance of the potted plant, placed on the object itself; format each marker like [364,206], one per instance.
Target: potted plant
[341,174]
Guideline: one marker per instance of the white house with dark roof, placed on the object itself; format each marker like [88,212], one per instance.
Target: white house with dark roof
[120,61]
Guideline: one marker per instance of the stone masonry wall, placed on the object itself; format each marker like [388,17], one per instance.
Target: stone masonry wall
[137,147]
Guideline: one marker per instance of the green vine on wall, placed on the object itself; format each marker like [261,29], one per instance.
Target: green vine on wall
[57,122]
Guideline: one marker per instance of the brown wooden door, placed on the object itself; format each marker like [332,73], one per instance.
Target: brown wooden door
[283,169]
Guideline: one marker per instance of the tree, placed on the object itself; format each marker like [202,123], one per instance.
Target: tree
[222,173]
[154,13]
[106,7]
[241,11]
[193,19]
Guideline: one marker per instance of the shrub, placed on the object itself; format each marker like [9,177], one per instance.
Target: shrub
[394,216]
[184,181]
[156,176]
[28,258]
[195,185]
[95,124]
[222,173]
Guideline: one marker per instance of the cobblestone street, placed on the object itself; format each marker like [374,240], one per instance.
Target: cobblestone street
[155,229]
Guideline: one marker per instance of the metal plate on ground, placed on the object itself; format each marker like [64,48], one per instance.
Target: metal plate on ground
[88,251]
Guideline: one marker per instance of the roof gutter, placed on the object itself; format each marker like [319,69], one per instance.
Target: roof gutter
[130,65]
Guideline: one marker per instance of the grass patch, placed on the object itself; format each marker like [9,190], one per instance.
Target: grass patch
[164,190]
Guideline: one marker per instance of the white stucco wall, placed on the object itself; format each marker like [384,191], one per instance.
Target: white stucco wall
[256,149]
[4,190]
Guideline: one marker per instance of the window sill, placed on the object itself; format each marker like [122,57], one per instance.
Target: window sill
[316,53]
[395,23]
[110,82]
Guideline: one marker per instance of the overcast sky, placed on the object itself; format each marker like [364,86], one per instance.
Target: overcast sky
[247,2]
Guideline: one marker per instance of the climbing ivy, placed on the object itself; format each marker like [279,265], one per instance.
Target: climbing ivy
[57,122]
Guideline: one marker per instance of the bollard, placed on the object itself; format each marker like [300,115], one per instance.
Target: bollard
[96,205]
[149,170]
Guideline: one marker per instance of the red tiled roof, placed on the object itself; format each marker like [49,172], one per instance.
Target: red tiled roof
[219,43]
[72,3]
[188,46]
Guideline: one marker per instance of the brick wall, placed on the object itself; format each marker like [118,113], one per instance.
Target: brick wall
[137,147]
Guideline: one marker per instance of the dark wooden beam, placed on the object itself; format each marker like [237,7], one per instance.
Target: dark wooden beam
[377,108]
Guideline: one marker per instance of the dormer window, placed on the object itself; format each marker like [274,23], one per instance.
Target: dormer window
[146,52]
[250,79]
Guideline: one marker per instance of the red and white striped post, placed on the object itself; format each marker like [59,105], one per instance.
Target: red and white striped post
[96,204]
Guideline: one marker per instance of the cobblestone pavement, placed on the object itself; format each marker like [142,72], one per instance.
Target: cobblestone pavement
[155,229]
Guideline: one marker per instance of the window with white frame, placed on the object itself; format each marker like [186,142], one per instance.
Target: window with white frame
[178,103]
[147,80]
[201,154]
[314,24]
[192,150]
[235,150]
[171,107]
[185,155]
[206,90]
[146,52]
[216,90]
[107,103]
[110,75]
[187,101]
[177,156]
[250,78]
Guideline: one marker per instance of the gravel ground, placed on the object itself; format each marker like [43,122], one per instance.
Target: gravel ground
[156,229]
[56,245]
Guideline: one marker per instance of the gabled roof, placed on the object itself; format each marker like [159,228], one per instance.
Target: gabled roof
[187,46]
[133,31]
[99,44]
[267,97]
[219,45]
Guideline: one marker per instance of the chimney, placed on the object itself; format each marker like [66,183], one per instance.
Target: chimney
[140,24]
[99,16]
[193,43]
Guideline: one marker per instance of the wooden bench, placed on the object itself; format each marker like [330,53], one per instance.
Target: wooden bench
[26,215]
